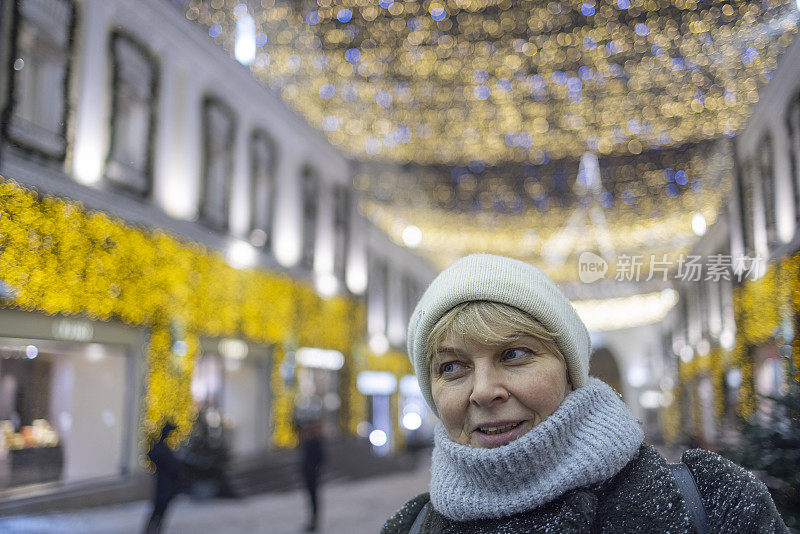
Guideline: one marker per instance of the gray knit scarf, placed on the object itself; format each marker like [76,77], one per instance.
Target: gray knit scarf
[587,440]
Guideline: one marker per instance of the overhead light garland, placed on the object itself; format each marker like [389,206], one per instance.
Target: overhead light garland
[649,202]
[451,81]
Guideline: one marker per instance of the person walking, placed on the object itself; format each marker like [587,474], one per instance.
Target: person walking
[168,478]
[528,442]
[312,457]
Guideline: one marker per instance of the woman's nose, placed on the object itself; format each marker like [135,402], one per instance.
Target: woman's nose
[489,387]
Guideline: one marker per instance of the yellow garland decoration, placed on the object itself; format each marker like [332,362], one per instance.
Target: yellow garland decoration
[760,308]
[57,257]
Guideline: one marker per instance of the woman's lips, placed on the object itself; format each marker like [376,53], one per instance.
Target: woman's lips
[502,438]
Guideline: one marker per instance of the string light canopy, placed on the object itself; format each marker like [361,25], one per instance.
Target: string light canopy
[452,81]
[648,202]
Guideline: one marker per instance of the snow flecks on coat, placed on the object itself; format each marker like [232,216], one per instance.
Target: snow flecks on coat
[735,500]
[641,498]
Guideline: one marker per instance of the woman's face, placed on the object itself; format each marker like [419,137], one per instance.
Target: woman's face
[490,395]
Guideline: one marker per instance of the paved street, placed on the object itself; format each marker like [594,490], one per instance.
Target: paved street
[351,507]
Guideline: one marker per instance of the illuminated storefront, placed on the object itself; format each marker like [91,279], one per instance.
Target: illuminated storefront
[67,401]
[231,377]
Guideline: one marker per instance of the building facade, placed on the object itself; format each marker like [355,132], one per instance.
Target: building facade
[175,241]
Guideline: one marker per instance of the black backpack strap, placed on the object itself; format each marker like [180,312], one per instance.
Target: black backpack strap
[416,528]
[694,503]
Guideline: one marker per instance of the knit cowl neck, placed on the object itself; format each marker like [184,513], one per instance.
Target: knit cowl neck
[589,438]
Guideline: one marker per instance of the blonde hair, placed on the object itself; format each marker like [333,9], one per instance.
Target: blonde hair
[489,323]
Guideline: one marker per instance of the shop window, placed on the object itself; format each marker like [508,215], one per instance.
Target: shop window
[310,192]
[230,393]
[767,180]
[206,383]
[218,137]
[262,183]
[36,118]
[747,207]
[134,83]
[793,123]
[318,387]
[341,218]
[62,411]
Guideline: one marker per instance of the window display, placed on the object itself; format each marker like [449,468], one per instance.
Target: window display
[62,411]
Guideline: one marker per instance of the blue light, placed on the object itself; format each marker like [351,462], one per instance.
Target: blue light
[677,63]
[606,200]
[628,197]
[384,99]
[575,96]
[537,82]
[327,91]
[438,14]
[386,4]
[414,24]
[669,174]
[681,177]
[261,39]
[585,72]
[589,43]
[344,15]
[587,10]
[656,50]
[512,138]
[642,30]
[623,4]
[612,48]
[559,77]
[504,84]
[525,140]
[480,76]
[482,92]
[671,190]
[215,31]
[575,84]
[352,55]
[313,18]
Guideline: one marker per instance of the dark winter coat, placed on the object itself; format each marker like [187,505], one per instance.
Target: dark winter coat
[643,497]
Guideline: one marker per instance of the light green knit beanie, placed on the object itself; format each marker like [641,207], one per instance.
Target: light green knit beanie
[507,281]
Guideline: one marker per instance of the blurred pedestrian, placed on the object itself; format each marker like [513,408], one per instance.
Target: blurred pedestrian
[168,478]
[312,457]
[528,442]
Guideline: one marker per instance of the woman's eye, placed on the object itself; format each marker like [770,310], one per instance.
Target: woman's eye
[516,354]
[449,368]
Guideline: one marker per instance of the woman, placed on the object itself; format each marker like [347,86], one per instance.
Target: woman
[527,441]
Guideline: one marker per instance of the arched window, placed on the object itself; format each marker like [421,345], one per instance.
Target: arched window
[262,183]
[766,171]
[310,192]
[218,137]
[36,116]
[134,86]
[793,125]
[747,205]
[341,229]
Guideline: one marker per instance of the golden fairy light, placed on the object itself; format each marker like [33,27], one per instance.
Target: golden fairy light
[450,81]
